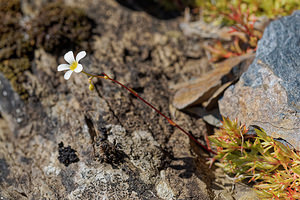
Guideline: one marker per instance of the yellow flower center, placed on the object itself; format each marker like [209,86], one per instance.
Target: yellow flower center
[73,65]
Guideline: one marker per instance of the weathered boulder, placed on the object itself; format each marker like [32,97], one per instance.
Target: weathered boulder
[268,93]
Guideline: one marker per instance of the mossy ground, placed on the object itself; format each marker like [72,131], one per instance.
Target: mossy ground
[56,28]
[16,50]
[13,69]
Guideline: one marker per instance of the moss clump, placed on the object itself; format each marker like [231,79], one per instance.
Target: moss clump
[15,49]
[11,6]
[13,42]
[12,39]
[13,69]
[59,27]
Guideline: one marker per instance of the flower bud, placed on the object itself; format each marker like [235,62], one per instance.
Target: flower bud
[91,87]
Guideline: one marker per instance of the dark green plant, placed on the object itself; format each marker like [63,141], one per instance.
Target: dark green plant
[272,166]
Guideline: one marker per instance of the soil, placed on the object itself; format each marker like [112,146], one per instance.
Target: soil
[119,148]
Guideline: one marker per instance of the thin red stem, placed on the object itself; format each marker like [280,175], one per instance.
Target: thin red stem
[105,76]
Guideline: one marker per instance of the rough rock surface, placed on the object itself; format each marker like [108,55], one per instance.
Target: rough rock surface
[66,142]
[268,94]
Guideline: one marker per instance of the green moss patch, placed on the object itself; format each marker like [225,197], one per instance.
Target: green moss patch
[13,69]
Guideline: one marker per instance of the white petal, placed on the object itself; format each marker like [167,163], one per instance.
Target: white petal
[68,74]
[63,67]
[78,68]
[69,57]
[80,55]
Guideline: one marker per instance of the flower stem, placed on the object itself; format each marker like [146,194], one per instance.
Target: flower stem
[105,76]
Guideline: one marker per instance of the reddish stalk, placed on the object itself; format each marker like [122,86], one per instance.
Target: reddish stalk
[105,76]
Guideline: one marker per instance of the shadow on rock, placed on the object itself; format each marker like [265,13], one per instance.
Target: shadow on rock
[151,7]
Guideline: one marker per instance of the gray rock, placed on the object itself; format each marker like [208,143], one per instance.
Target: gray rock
[121,145]
[268,94]
[12,104]
[124,150]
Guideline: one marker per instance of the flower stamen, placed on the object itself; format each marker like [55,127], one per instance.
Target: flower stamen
[73,66]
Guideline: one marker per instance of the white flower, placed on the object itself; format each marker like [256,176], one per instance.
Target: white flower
[73,64]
